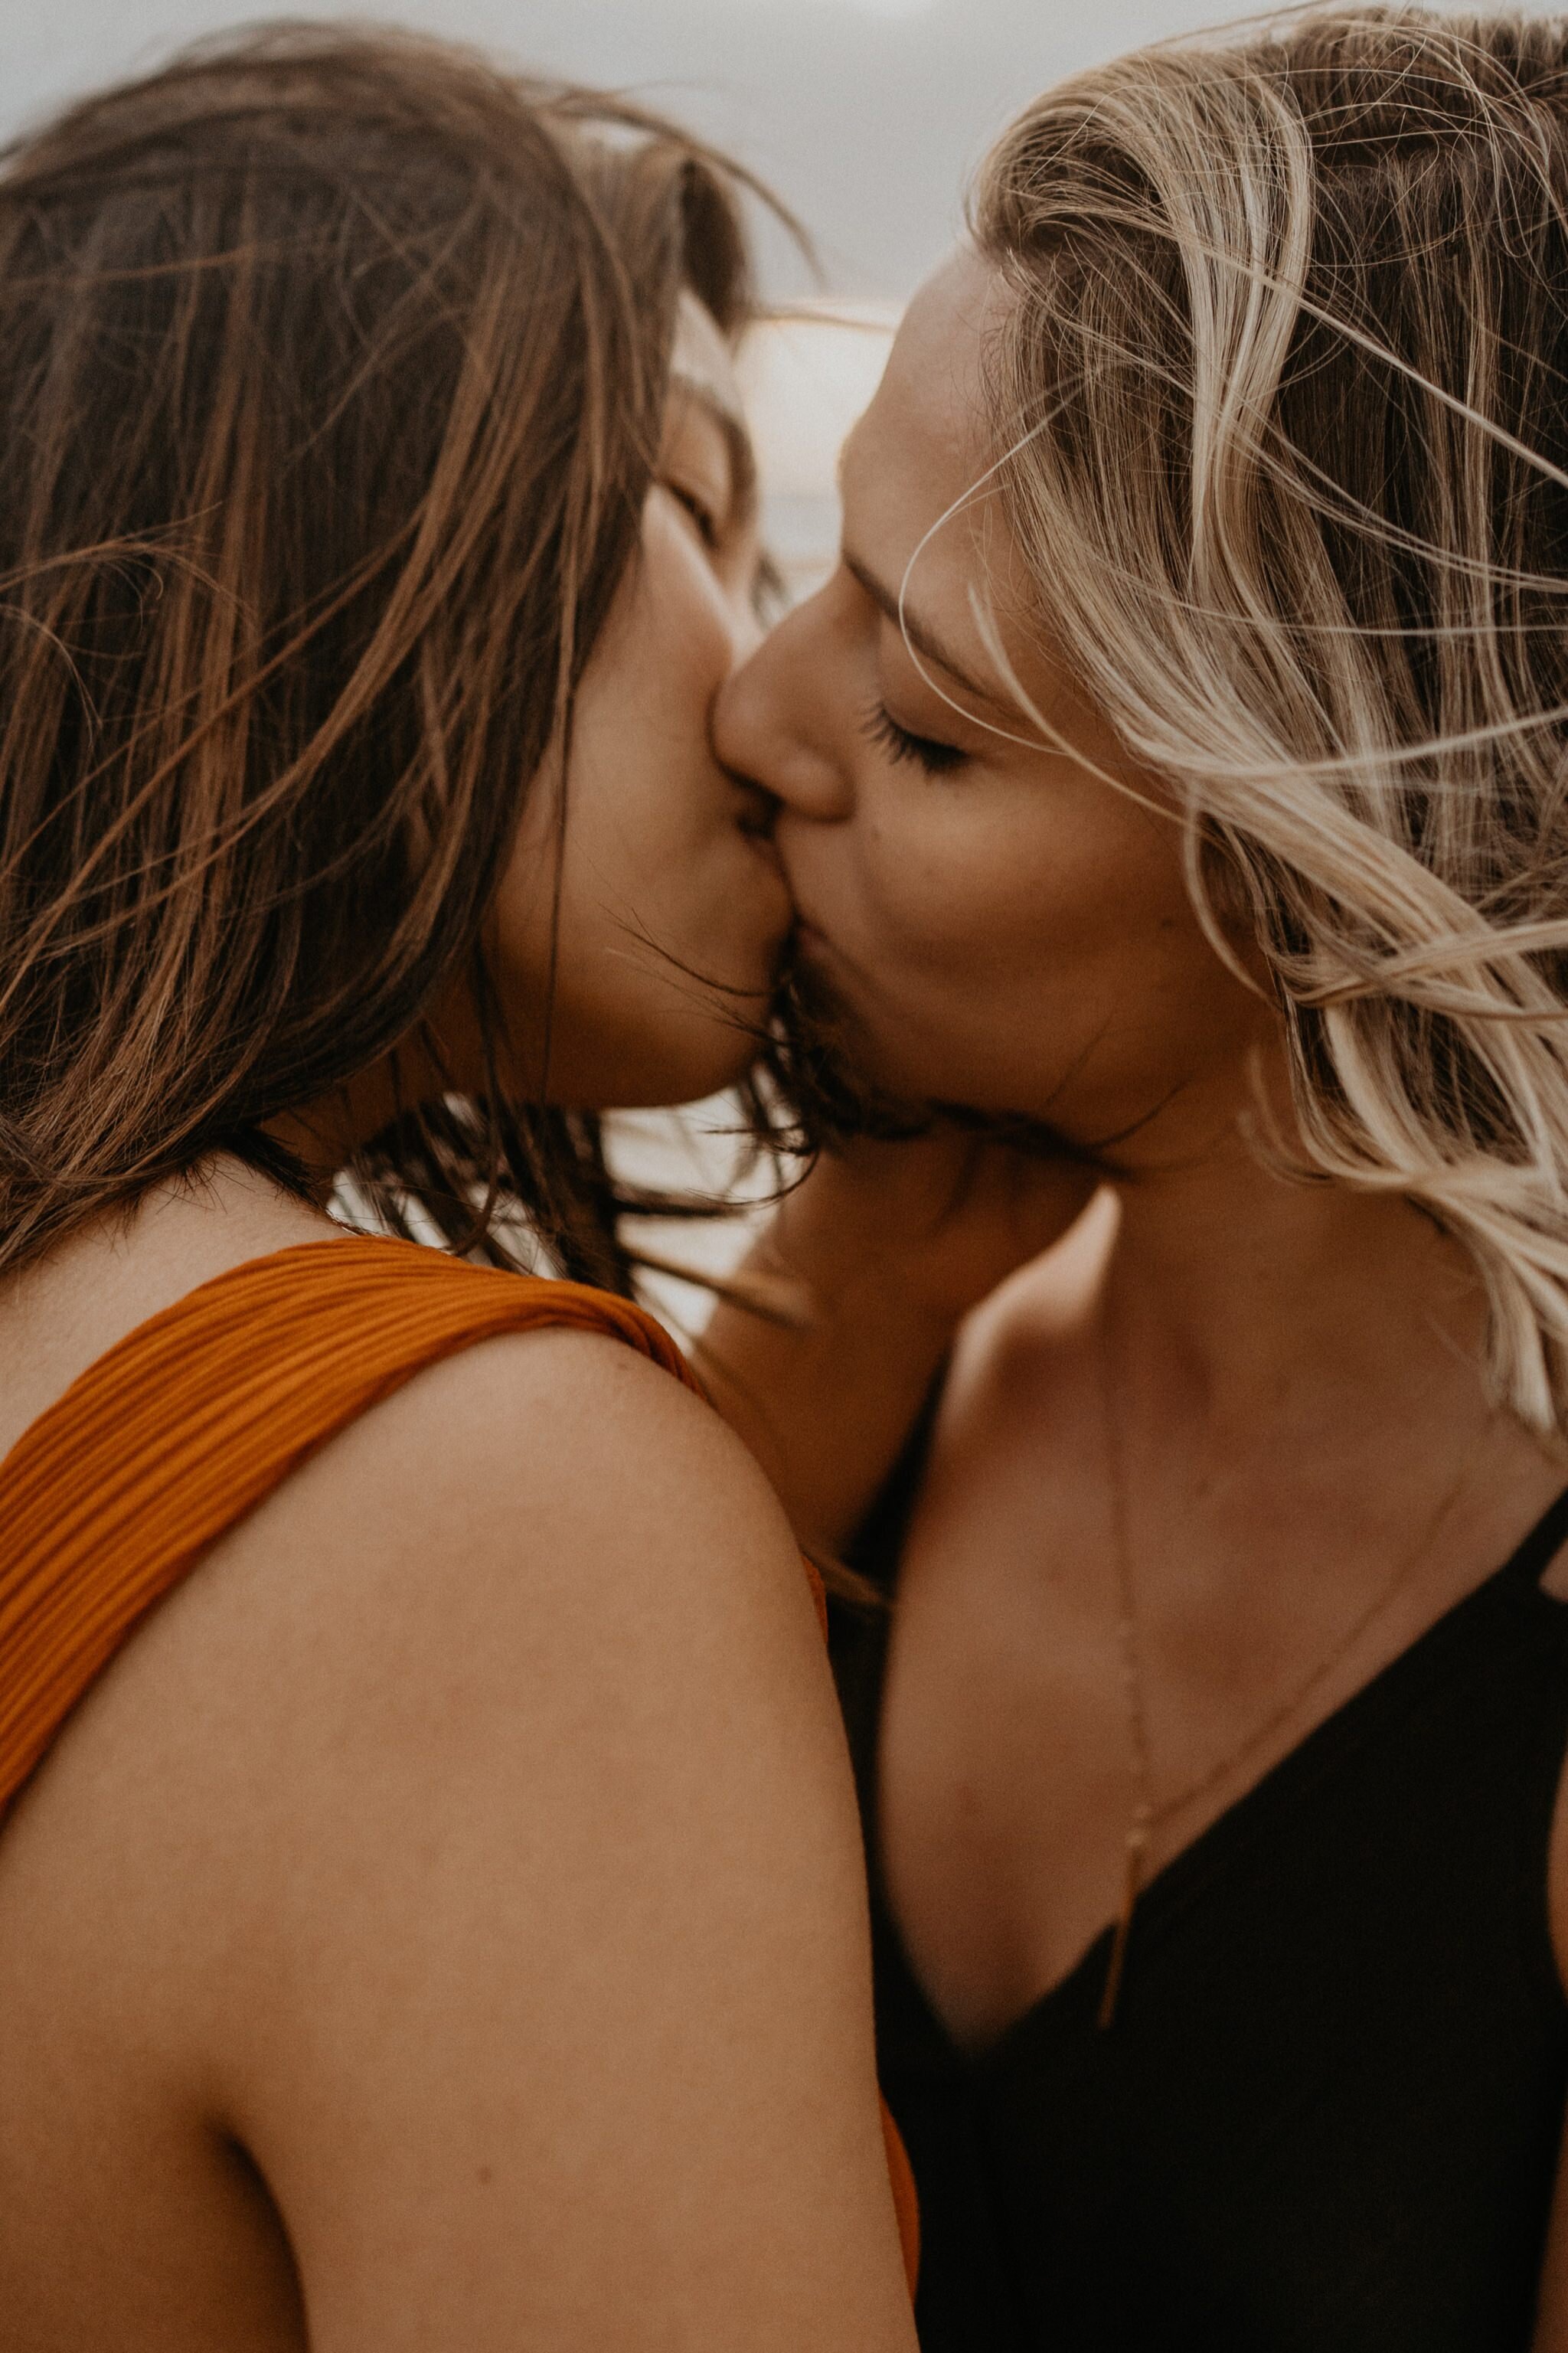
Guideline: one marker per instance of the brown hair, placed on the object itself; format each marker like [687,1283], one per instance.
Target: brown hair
[330,376]
[1280,410]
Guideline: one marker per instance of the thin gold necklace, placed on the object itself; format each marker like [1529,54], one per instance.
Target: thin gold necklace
[1146,1817]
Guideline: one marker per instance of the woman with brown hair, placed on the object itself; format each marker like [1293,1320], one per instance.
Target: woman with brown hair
[430,1897]
[1174,771]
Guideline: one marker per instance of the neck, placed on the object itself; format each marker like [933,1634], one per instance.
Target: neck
[1256,1290]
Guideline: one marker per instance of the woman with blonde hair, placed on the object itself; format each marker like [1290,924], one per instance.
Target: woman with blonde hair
[1176,772]
[430,1897]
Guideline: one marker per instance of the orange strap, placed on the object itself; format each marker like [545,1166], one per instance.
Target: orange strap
[114,1494]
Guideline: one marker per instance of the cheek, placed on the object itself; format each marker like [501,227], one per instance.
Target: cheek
[677,642]
[999,956]
[959,912]
[643,786]
[1033,884]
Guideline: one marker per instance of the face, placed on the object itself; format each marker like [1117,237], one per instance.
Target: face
[997,924]
[673,910]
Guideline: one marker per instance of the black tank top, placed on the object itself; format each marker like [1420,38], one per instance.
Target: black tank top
[1327,2117]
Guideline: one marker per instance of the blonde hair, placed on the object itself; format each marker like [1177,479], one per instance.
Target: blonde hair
[1282,398]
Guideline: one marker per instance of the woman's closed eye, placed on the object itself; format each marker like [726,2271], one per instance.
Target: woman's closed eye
[703,513]
[901,743]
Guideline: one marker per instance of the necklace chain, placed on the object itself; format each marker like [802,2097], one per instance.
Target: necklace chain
[1145,1817]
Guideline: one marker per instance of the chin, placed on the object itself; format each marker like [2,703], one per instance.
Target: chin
[842,1079]
[827,1070]
[689,1070]
[674,1033]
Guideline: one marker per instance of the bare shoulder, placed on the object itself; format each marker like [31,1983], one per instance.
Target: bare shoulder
[543,1532]
[545,1575]
[563,1460]
[542,1524]
[489,1776]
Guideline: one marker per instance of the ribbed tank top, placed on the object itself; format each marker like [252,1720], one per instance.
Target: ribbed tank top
[115,1493]
[1327,2117]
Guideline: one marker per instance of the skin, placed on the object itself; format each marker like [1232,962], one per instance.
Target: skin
[443,1925]
[1295,1372]
[673,906]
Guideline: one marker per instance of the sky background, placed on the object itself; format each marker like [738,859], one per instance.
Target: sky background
[865,114]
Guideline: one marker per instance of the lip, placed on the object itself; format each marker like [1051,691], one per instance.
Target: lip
[809,937]
[762,848]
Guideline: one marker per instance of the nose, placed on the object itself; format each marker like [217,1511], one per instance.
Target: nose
[774,719]
[745,627]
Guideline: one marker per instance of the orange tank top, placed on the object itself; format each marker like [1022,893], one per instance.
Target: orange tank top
[115,1493]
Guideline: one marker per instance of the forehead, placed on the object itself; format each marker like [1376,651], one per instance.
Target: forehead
[910,466]
[924,442]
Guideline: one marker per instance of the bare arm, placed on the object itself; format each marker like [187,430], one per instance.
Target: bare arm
[883,1250]
[511,1885]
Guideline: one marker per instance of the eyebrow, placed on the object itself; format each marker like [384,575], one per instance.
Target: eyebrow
[923,640]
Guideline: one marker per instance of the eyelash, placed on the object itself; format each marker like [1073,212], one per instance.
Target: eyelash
[880,727]
[701,515]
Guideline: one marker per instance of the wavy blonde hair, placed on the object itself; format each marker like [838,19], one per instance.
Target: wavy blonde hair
[1282,397]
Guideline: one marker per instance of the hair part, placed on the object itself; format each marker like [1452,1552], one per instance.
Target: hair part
[1282,395]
